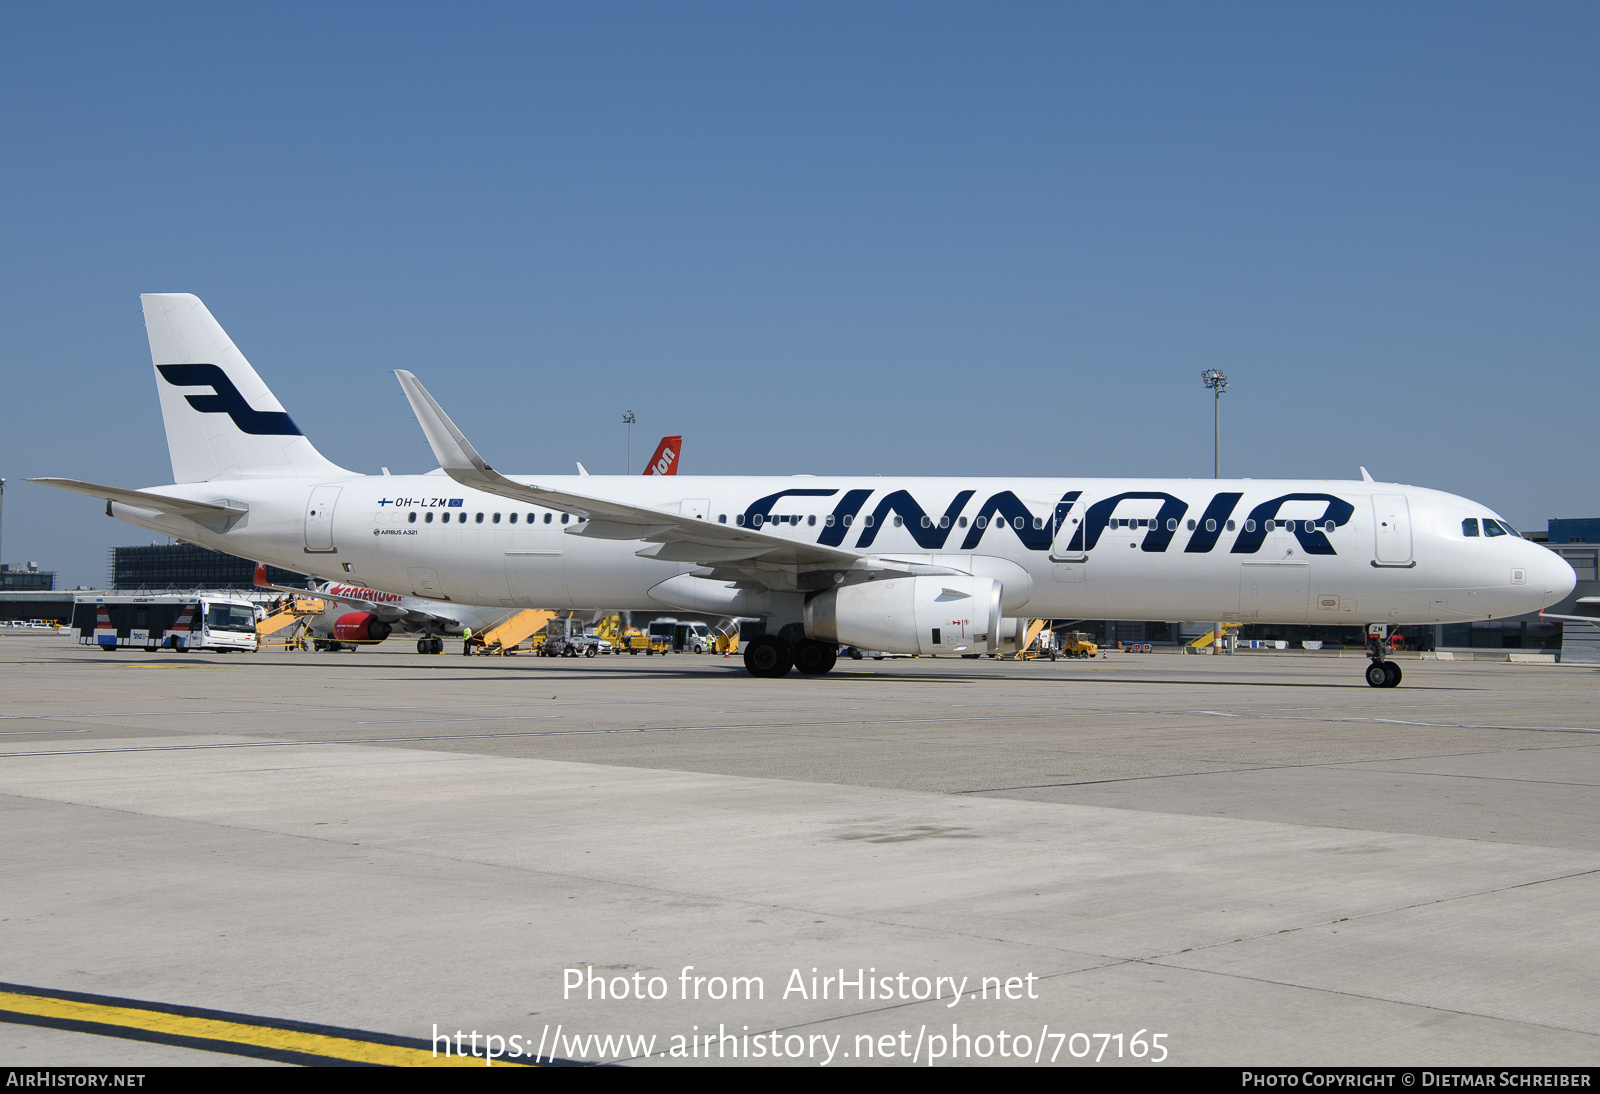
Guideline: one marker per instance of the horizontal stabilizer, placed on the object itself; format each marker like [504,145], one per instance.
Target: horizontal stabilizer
[143,499]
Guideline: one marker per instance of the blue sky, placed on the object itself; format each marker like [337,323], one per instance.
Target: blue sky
[871,237]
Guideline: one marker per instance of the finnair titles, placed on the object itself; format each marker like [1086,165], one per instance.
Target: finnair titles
[910,565]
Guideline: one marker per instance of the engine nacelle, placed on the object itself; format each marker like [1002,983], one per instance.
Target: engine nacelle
[1011,636]
[956,614]
[360,627]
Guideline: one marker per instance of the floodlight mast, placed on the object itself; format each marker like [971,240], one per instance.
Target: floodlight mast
[628,419]
[1218,383]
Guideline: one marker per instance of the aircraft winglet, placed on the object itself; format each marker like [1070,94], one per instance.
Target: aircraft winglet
[603,519]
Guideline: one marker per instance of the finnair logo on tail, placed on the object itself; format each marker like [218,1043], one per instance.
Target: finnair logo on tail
[227,400]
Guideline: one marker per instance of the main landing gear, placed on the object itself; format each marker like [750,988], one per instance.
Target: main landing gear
[770,657]
[430,645]
[1381,673]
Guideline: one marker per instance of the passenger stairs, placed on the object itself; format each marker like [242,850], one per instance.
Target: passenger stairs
[1210,637]
[506,635]
[294,612]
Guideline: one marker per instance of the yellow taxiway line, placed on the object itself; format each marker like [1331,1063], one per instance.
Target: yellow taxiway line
[221,1031]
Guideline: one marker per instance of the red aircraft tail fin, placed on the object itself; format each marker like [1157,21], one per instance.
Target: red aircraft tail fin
[665,461]
[261,576]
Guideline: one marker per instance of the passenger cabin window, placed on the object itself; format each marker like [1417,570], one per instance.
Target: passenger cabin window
[496,518]
[428,519]
[722,518]
[1212,528]
[480,518]
[1250,526]
[547,517]
[565,517]
[411,517]
[512,518]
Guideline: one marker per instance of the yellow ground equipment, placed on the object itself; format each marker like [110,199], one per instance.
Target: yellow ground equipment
[726,644]
[1210,637]
[610,628]
[645,644]
[1077,644]
[505,636]
[1027,648]
[289,622]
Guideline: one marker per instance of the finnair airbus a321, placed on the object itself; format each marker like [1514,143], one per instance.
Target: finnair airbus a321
[914,565]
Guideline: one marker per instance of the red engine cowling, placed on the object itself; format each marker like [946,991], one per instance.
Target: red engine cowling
[360,627]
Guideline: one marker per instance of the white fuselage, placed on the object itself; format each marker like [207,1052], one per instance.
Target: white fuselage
[1087,548]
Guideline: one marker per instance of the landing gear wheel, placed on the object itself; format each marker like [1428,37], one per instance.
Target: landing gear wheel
[1392,671]
[815,658]
[768,657]
[1378,674]
[424,646]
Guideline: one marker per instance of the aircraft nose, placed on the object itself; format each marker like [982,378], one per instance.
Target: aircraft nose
[1559,579]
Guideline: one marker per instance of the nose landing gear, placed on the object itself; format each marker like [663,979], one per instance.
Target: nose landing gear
[1381,673]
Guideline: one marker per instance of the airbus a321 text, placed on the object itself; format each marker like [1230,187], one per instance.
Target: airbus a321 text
[903,565]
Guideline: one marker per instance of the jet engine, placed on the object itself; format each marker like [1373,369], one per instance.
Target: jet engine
[360,627]
[955,614]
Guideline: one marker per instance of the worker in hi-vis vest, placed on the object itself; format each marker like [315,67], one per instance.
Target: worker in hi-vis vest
[466,646]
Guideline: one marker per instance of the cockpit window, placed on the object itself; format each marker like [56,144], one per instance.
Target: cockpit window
[1492,528]
[1469,527]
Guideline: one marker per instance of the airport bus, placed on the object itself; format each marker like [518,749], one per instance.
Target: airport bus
[173,622]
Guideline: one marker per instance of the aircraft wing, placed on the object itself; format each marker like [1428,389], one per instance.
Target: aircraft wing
[678,538]
[160,503]
[1592,620]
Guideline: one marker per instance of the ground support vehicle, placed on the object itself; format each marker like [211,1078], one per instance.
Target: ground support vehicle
[1045,645]
[174,622]
[288,622]
[1077,644]
[566,638]
[648,645]
[508,634]
[683,637]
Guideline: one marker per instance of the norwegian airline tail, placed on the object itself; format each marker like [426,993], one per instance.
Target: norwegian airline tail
[665,461]
[222,421]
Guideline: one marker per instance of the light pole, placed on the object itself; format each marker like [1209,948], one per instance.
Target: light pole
[1218,383]
[628,419]
[2,505]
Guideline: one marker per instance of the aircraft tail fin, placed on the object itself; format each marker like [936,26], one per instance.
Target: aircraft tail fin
[222,421]
[665,461]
